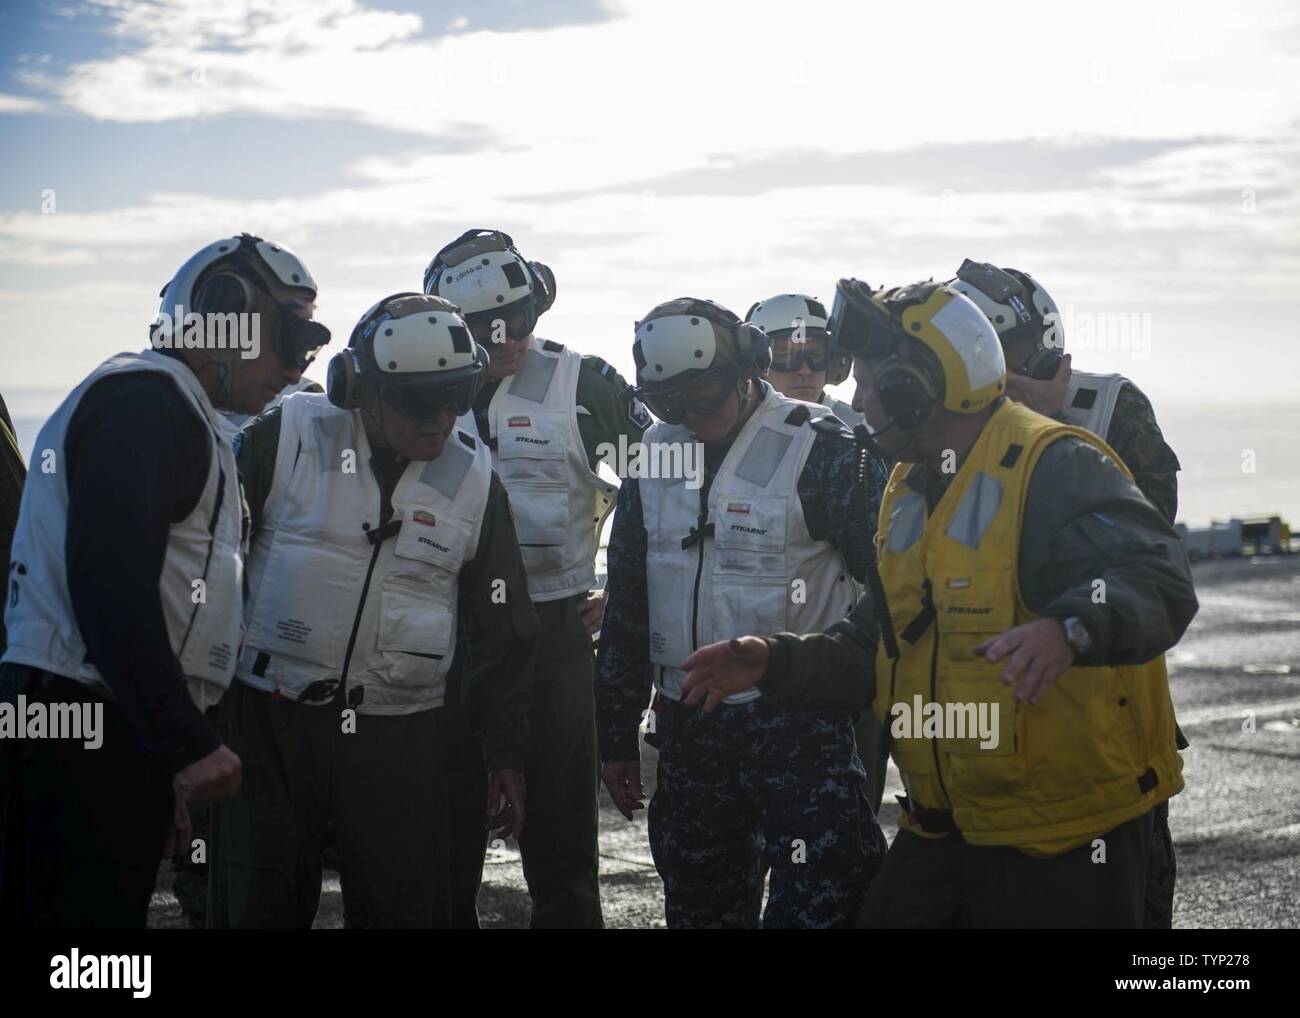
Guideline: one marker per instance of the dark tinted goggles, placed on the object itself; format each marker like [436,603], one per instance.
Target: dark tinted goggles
[788,355]
[518,323]
[858,326]
[700,398]
[299,339]
[427,402]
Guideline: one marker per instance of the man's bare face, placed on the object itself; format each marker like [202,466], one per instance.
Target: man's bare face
[866,401]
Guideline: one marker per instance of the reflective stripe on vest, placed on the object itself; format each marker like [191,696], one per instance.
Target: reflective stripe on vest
[1095,751]
[321,567]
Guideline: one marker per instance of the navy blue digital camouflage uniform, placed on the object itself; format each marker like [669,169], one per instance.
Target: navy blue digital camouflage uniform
[751,783]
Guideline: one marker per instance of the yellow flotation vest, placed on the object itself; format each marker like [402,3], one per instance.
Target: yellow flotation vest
[1095,751]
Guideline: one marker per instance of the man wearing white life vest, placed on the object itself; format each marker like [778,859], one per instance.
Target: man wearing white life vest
[1031,720]
[384,581]
[765,541]
[802,361]
[545,413]
[1040,375]
[803,364]
[124,591]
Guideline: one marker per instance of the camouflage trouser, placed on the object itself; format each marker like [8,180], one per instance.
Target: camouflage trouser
[1159,906]
[754,783]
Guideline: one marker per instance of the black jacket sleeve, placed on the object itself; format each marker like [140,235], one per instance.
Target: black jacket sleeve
[1093,546]
[136,458]
[500,626]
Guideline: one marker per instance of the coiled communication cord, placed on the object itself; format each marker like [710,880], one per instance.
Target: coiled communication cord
[878,604]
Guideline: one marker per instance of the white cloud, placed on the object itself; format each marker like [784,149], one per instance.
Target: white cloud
[581,117]
[20,104]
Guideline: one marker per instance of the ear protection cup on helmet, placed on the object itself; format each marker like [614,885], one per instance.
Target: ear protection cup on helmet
[224,293]
[906,394]
[910,385]
[1043,364]
[343,379]
[544,282]
[754,356]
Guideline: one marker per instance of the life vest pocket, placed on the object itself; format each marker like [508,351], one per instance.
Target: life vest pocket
[749,609]
[432,537]
[749,535]
[411,623]
[541,524]
[1084,733]
[969,613]
[541,436]
[983,743]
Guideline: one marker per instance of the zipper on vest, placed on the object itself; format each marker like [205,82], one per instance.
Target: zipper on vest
[365,586]
[356,620]
[928,604]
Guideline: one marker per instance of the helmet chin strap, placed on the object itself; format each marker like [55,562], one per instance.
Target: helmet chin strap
[222,390]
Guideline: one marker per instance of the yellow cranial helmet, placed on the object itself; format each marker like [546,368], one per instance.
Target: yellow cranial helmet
[931,346]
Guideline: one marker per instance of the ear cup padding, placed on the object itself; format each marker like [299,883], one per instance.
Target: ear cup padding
[910,386]
[755,350]
[343,380]
[224,293]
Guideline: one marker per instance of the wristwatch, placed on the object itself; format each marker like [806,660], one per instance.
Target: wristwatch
[1077,636]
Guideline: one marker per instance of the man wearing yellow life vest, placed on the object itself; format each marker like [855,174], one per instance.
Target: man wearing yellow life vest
[1029,592]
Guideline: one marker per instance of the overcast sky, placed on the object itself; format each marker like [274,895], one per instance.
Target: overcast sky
[1140,159]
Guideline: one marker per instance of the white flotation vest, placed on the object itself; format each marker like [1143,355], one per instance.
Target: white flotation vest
[1090,400]
[559,502]
[755,569]
[332,594]
[201,582]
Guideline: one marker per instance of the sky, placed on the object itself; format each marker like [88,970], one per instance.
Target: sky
[1139,159]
